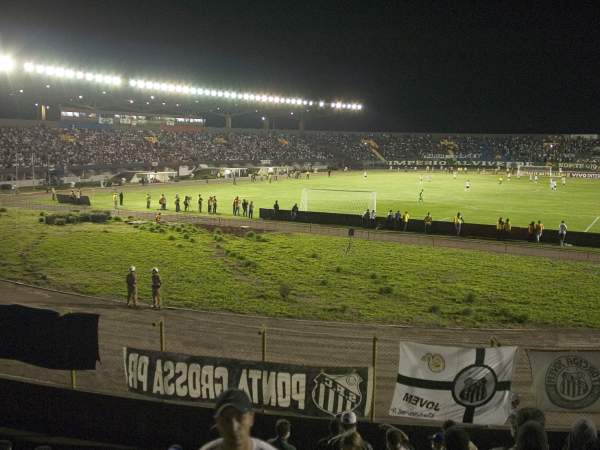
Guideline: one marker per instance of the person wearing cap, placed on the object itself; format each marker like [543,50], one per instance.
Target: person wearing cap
[234,419]
[132,293]
[283,428]
[437,441]
[156,284]
[348,421]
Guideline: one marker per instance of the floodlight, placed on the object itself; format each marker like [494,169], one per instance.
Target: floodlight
[80,75]
[152,97]
[40,69]
[321,104]
[213,93]
[69,73]
[133,83]
[60,72]
[80,97]
[178,88]
[359,106]
[7,63]
[310,103]
[29,67]
[130,101]
[89,76]
[21,91]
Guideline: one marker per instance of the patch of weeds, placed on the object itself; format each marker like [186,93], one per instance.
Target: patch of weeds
[470,298]
[171,237]
[386,290]
[284,290]
[324,282]
[434,309]
[373,276]
[314,255]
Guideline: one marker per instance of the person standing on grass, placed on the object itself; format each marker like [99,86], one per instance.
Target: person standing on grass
[539,230]
[562,232]
[507,228]
[115,200]
[215,204]
[251,210]
[428,221]
[132,293]
[245,207]
[121,198]
[405,218]
[156,284]
[499,228]
[148,201]
[162,202]
[200,203]
[186,203]
[210,203]
[177,203]
[458,222]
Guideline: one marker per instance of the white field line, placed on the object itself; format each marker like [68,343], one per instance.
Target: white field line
[445,218]
[592,224]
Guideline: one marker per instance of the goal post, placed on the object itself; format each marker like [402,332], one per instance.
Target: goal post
[338,200]
[535,170]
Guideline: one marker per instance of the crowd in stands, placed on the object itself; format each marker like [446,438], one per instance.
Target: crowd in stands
[233,412]
[106,146]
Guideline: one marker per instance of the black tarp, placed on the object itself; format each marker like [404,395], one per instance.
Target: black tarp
[44,338]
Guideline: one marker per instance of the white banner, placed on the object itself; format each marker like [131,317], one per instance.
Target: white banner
[566,381]
[470,385]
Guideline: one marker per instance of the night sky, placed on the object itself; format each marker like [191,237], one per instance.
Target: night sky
[443,67]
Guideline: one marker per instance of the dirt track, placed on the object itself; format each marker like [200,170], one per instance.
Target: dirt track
[292,341]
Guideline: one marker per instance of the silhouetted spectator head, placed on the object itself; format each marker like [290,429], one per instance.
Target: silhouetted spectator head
[531,436]
[348,420]
[447,424]
[582,432]
[396,439]
[351,441]
[456,438]
[437,441]
[283,428]
[530,413]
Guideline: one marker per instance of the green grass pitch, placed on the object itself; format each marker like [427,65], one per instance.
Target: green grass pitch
[578,202]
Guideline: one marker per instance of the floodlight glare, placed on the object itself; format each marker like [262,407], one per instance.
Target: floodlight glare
[29,67]
[133,83]
[7,63]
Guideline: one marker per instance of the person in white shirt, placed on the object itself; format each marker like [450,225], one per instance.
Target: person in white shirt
[234,417]
[562,232]
[467,185]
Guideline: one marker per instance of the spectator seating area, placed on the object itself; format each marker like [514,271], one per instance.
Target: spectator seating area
[67,147]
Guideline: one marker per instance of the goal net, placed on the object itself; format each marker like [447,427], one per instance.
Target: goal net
[545,171]
[338,200]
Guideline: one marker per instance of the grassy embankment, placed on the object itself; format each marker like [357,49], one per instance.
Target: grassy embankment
[303,276]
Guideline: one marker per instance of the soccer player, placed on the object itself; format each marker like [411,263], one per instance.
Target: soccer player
[365,174]
[508,175]
[420,179]
[454,174]
[535,179]
[405,218]
[131,281]
[499,228]
[421,196]
[500,179]
[200,203]
[148,201]
[563,180]
[467,185]
[507,227]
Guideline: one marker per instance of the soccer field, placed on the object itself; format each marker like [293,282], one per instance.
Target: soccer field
[578,202]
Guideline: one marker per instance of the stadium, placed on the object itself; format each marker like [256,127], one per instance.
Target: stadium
[178,253]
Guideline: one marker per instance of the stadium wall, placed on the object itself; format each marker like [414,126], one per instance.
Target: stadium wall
[472,230]
[154,424]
